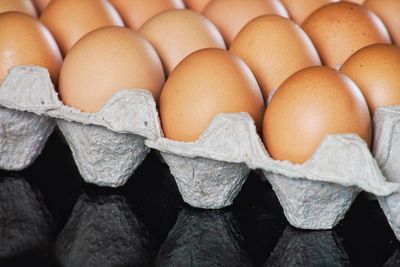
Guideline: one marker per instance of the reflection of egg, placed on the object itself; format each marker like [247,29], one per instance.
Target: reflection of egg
[25,41]
[105,61]
[389,12]
[311,103]
[375,69]
[24,6]
[177,33]
[299,10]
[41,4]
[69,20]
[136,12]
[274,48]
[340,29]
[196,5]
[205,83]
[231,15]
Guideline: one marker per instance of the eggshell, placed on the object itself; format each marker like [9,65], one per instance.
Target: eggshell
[196,5]
[24,6]
[41,4]
[69,20]
[389,12]
[205,83]
[375,69]
[310,104]
[340,29]
[136,12]
[274,48]
[300,10]
[105,61]
[26,41]
[177,33]
[231,15]
[356,1]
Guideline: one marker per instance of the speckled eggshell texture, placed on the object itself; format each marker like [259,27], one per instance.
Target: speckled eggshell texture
[340,29]
[274,48]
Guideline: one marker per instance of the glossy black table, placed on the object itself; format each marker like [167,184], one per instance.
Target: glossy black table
[50,217]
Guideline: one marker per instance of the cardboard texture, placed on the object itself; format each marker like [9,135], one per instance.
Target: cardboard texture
[387,153]
[109,145]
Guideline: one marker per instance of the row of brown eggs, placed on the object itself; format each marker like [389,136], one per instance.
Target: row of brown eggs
[268,55]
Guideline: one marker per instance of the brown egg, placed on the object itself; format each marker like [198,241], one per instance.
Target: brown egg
[205,83]
[105,61]
[69,20]
[300,10]
[360,2]
[274,48]
[26,41]
[177,33]
[375,69]
[196,5]
[136,12]
[24,6]
[340,29]
[231,15]
[309,105]
[389,12]
[41,4]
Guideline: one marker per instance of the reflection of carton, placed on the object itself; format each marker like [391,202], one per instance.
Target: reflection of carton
[394,261]
[103,230]
[25,222]
[110,144]
[204,238]
[313,249]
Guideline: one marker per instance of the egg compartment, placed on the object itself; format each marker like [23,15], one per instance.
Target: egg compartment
[386,149]
[315,195]
[22,134]
[107,146]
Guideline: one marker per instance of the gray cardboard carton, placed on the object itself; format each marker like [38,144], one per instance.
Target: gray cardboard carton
[109,145]
[387,153]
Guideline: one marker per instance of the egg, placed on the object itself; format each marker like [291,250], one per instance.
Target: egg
[41,4]
[340,29]
[136,12]
[26,41]
[24,6]
[196,5]
[205,83]
[375,69]
[274,48]
[69,20]
[105,61]
[177,33]
[300,10]
[357,1]
[389,12]
[310,104]
[231,15]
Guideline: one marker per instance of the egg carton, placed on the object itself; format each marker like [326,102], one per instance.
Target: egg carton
[315,195]
[107,146]
[386,149]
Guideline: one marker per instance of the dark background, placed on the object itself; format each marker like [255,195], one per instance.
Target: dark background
[50,217]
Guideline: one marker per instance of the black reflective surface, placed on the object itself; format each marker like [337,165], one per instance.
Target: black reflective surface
[50,217]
